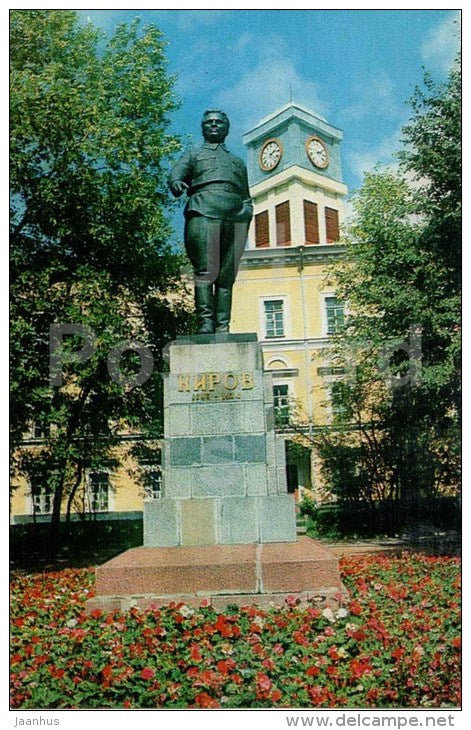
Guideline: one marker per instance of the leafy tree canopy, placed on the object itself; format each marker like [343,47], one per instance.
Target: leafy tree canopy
[88,147]
[401,281]
[89,230]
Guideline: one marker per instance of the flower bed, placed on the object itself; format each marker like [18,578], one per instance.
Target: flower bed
[395,643]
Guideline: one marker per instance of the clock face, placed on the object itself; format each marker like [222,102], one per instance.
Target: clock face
[270,154]
[317,152]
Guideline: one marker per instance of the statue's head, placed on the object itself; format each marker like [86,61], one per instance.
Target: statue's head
[215,125]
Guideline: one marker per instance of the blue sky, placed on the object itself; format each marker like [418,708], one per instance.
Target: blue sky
[355,67]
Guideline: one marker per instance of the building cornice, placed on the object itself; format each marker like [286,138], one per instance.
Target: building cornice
[281,344]
[300,256]
[300,174]
[283,372]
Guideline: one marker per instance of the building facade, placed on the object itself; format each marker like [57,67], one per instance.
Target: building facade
[281,293]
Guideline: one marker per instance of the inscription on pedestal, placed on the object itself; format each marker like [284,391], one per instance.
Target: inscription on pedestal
[214,386]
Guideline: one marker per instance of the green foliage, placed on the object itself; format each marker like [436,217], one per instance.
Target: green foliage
[89,233]
[395,642]
[397,432]
[88,142]
[427,518]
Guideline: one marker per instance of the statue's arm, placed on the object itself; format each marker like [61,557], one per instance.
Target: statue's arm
[247,206]
[180,176]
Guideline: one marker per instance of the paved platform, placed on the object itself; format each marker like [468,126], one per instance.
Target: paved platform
[259,573]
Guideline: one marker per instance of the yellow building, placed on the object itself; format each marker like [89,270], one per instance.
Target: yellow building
[281,292]
[293,159]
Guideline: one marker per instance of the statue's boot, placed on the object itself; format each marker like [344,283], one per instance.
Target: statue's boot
[204,302]
[223,309]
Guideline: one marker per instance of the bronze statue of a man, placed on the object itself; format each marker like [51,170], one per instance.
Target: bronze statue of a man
[217,216]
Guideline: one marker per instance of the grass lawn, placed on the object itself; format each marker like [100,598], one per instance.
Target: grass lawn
[395,643]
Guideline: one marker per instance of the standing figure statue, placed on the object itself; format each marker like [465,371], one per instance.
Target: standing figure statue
[217,217]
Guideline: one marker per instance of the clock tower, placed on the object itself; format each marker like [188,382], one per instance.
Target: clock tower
[295,177]
[282,291]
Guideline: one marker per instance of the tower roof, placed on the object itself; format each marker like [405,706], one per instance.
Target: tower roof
[291,105]
[288,111]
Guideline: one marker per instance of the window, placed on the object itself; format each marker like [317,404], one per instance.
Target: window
[337,370]
[99,491]
[281,404]
[340,408]
[335,314]
[262,235]
[38,431]
[332,225]
[153,483]
[283,224]
[311,222]
[43,497]
[274,318]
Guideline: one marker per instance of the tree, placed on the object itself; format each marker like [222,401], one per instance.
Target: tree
[401,280]
[89,231]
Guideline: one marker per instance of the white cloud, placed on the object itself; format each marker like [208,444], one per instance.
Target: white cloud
[189,20]
[267,85]
[442,43]
[106,20]
[364,160]
[375,96]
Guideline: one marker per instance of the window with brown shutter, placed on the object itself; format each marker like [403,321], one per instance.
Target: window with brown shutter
[262,236]
[311,222]
[332,225]
[283,225]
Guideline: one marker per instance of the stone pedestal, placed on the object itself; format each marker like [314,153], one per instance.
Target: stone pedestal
[224,471]
[263,574]
[225,529]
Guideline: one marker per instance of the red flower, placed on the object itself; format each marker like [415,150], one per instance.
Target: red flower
[209,678]
[456,642]
[205,700]
[147,673]
[355,608]
[225,666]
[275,695]
[56,673]
[264,683]
[313,672]
[398,653]
[372,694]
[107,671]
[195,653]
[359,667]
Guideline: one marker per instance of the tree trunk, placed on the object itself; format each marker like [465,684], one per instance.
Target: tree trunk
[78,481]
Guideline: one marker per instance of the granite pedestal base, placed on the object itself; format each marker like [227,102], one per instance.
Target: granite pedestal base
[258,574]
